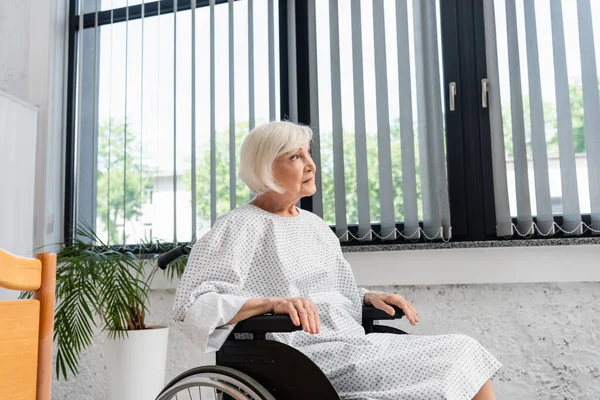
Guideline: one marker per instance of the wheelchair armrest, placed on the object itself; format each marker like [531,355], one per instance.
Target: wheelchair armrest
[265,324]
[374,314]
[371,314]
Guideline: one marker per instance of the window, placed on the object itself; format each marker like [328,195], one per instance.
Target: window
[430,120]
[153,92]
[380,118]
[546,74]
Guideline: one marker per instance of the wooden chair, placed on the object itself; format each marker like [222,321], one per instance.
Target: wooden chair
[26,327]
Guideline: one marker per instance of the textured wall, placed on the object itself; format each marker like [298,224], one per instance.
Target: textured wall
[546,335]
[14,47]
[14,59]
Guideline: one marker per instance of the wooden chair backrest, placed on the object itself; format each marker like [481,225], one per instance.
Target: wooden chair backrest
[26,327]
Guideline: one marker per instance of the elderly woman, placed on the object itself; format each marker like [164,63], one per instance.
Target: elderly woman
[268,256]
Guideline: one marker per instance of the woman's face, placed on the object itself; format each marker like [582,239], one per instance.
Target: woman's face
[295,173]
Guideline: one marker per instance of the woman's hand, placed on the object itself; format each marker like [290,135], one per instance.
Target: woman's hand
[384,301]
[302,312]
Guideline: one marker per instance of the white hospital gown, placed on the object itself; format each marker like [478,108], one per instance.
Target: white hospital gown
[252,253]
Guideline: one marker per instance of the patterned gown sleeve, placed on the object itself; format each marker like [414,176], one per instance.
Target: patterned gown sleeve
[208,295]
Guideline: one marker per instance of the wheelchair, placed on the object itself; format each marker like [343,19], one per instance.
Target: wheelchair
[254,368]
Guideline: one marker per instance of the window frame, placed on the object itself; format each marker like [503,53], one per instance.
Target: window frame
[468,137]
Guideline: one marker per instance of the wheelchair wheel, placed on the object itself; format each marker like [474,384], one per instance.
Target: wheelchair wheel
[214,382]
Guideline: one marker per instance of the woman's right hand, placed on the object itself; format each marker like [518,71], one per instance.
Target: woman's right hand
[301,311]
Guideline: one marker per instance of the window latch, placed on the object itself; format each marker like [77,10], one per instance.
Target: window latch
[484,92]
[452,96]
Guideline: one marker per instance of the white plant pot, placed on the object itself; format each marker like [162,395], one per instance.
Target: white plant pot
[136,364]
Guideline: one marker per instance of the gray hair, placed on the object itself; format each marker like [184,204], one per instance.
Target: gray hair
[262,146]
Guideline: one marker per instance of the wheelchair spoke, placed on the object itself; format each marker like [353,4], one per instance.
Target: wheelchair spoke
[215,383]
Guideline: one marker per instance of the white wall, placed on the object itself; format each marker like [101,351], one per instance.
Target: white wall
[14,71]
[32,60]
[18,129]
[14,57]
[576,263]
[545,334]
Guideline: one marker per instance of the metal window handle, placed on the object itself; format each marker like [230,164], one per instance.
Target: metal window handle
[452,95]
[484,92]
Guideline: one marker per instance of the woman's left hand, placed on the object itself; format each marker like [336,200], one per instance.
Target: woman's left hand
[384,301]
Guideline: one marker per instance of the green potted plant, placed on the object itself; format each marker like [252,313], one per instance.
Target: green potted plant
[99,287]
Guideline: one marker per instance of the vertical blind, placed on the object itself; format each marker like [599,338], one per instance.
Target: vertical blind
[376,104]
[544,114]
[165,92]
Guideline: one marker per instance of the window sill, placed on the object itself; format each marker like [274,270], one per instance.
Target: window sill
[460,263]
[470,245]
[555,260]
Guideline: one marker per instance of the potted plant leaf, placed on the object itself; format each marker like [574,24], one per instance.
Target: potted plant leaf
[99,287]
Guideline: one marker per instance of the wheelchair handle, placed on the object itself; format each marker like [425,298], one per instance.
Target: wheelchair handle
[172,255]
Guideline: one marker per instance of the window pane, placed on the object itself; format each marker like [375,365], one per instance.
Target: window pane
[547,78]
[368,66]
[144,118]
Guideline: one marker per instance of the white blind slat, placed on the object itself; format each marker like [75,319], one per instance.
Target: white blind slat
[438,118]
[125,126]
[95,123]
[386,194]
[175,121]
[433,173]
[566,146]
[518,122]
[271,35]
[251,96]
[591,103]
[141,165]
[362,175]
[338,140]
[292,67]
[213,141]
[502,208]
[158,97]
[251,93]
[545,219]
[314,106]
[409,182]
[78,99]
[232,148]
[193,144]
